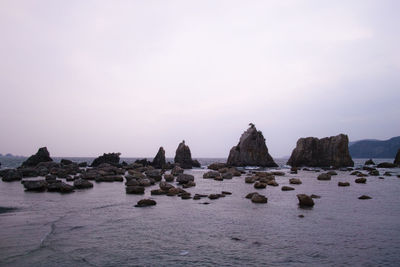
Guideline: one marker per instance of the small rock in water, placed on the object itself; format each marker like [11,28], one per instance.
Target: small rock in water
[364,197]
[361,180]
[145,203]
[343,184]
[305,200]
[295,181]
[315,196]
[287,188]
[301,216]
[226,193]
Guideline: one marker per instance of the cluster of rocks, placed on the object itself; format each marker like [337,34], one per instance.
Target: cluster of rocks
[220,172]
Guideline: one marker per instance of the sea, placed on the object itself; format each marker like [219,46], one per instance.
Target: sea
[101,226]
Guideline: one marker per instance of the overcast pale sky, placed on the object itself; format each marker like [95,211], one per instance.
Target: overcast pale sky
[87,77]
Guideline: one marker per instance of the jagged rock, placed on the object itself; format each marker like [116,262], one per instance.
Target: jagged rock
[145,203]
[397,158]
[216,166]
[360,180]
[184,178]
[110,158]
[41,156]
[159,160]
[287,188]
[138,190]
[257,198]
[251,150]
[369,162]
[295,181]
[305,200]
[386,165]
[325,152]
[183,157]
[82,184]
[11,175]
[343,184]
[324,177]
[38,186]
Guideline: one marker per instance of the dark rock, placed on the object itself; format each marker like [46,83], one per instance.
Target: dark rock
[60,187]
[332,173]
[257,198]
[278,173]
[132,182]
[82,184]
[41,156]
[138,190]
[183,157]
[251,150]
[110,158]
[11,175]
[387,174]
[360,180]
[158,192]
[324,177]
[226,193]
[155,174]
[272,183]
[343,184]
[301,216]
[355,173]
[386,165]
[38,186]
[185,196]
[397,158]
[184,178]
[369,162]
[143,162]
[364,197]
[259,185]
[211,175]
[82,164]
[29,172]
[250,179]
[214,196]
[295,181]
[216,166]
[305,200]
[65,162]
[176,171]
[287,188]
[145,203]
[374,173]
[227,175]
[165,186]
[169,177]
[325,152]
[109,178]
[144,182]
[189,184]
[159,160]
[173,191]
[250,195]
[368,168]
[315,196]
[136,175]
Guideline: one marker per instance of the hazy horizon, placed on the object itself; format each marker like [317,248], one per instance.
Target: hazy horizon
[85,78]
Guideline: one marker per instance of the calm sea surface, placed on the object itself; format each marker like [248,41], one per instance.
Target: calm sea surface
[101,226]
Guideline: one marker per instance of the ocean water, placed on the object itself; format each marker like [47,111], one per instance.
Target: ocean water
[101,226]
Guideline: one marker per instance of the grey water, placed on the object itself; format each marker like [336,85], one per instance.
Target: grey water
[101,226]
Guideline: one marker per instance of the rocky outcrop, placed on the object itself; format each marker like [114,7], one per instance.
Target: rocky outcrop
[386,165]
[41,156]
[305,200]
[159,160]
[325,152]
[183,157]
[110,158]
[251,150]
[397,159]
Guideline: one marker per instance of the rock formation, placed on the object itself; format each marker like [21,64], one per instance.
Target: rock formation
[397,159]
[159,160]
[110,158]
[325,152]
[41,156]
[251,150]
[184,158]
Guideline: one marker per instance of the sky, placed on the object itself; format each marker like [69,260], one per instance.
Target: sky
[88,77]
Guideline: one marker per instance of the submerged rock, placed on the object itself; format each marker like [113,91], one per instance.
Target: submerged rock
[251,150]
[305,200]
[287,188]
[110,158]
[325,152]
[183,157]
[159,160]
[41,156]
[364,197]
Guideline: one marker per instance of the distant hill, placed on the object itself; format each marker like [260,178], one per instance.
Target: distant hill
[374,148]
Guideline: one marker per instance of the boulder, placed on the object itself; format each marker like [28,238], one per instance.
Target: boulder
[184,178]
[324,177]
[138,190]
[60,187]
[159,160]
[397,158]
[216,166]
[211,175]
[155,174]
[165,186]
[183,157]
[250,195]
[169,177]
[189,184]
[343,184]
[305,200]
[145,203]
[374,173]
[287,188]
[386,165]
[325,152]
[158,192]
[82,184]
[361,180]
[257,198]
[66,161]
[369,162]
[176,171]
[11,175]
[214,196]
[227,175]
[295,181]
[272,183]
[259,185]
[82,164]
[38,185]
[251,150]
[250,179]
[110,158]
[41,156]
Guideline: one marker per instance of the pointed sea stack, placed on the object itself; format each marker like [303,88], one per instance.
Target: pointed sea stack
[41,156]
[159,161]
[397,159]
[325,152]
[184,158]
[251,150]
